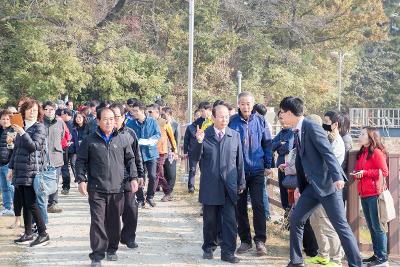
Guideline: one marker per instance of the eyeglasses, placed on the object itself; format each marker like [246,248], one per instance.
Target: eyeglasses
[49,109]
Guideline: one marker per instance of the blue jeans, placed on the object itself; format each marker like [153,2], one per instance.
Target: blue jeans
[266,201]
[53,198]
[378,235]
[42,199]
[7,188]
[42,205]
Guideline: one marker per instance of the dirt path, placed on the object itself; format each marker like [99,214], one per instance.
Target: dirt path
[168,235]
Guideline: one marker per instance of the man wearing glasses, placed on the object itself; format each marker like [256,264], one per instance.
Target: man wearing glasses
[148,133]
[320,180]
[57,135]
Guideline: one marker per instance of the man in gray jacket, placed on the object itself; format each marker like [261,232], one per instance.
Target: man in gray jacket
[55,130]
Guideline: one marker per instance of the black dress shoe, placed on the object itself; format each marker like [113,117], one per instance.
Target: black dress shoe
[208,255]
[131,244]
[230,258]
[296,265]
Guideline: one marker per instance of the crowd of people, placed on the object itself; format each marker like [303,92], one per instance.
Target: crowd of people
[120,154]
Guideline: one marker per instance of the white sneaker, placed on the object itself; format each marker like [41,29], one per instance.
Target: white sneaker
[7,212]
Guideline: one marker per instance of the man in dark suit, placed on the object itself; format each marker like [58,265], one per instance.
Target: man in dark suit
[222,178]
[321,180]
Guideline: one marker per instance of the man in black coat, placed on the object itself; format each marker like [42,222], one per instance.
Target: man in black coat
[189,142]
[130,213]
[219,151]
[103,156]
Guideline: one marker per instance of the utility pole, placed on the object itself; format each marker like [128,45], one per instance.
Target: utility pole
[239,81]
[190,67]
[340,56]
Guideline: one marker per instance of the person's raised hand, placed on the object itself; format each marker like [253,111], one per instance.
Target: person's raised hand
[18,129]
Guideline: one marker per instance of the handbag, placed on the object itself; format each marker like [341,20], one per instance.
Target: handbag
[386,209]
[45,182]
[290,168]
[290,182]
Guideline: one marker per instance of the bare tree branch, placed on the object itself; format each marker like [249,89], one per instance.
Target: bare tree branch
[113,13]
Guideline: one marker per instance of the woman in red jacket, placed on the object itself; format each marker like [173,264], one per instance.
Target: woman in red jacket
[371,159]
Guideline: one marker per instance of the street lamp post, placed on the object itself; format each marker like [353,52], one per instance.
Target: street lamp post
[239,81]
[190,66]
[340,56]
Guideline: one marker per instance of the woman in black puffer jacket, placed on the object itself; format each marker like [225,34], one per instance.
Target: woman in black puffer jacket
[23,169]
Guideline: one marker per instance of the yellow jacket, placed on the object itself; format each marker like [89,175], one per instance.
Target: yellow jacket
[167,134]
[207,123]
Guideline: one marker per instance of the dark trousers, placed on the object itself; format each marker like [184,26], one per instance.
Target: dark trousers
[69,160]
[192,172]
[31,209]
[17,202]
[212,217]
[333,205]
[310,243]
[129,218]
[53,198]
[283,191]
[255,185]
[160,174]
[151,169]
[170,173]
[105,226]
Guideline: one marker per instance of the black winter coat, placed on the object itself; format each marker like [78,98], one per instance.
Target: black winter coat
[5,153]
[23,161]
[131,136]
[104,164]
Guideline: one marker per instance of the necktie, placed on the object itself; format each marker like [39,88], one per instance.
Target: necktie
[220,136]
[296,138]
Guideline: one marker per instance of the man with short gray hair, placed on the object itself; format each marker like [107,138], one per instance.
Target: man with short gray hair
[257,156]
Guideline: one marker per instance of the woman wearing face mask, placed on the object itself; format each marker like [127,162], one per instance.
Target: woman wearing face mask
[23,169]
[330,251]
[371,160]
